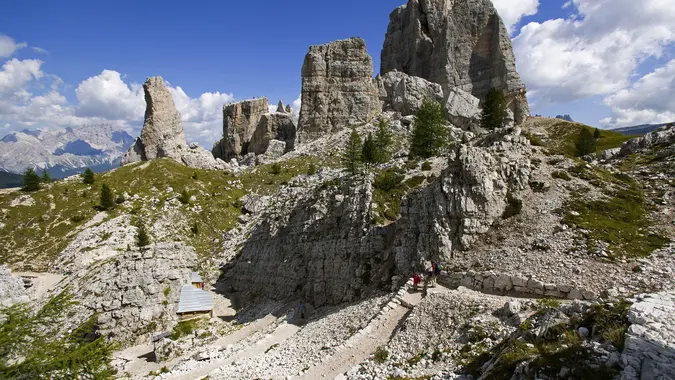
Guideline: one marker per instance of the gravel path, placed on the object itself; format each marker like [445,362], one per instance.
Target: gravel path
[42,282]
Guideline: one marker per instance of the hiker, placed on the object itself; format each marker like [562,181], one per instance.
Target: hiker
[416,280]
[302,309]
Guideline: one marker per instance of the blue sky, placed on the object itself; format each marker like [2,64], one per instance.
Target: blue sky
[227,49]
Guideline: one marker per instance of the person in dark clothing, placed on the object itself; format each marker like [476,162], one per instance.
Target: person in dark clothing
[302,310]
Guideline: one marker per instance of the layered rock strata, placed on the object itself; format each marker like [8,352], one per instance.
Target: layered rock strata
[457,44]
[337,88]
[248,127]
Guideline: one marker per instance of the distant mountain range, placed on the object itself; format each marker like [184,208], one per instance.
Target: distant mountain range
[640,129]
[64,152]
[565,117]
[10,180]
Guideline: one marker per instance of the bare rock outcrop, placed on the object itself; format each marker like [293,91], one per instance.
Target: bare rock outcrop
[162,134]
[319,243]
[458,44]
[12,288]
[280,107]
[134,294]
[337,88]
[403,93]
[248,127]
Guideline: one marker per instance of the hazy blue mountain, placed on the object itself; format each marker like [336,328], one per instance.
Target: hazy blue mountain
[640,129]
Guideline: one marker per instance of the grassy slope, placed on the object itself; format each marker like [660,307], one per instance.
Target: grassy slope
[36,234]
[563,135]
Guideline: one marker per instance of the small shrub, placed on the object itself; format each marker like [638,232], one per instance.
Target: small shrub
[77,218]
[539,187]
[184,197]
[184,328]
[312,169]
[615,334]
[107,198]
[534,139]
[548,302]
[381,355]
[195,228]
[276,168]
[561,174]
[195,175]
[142,237]
[120,199]
[426,166]
[389,180]
[415,181]
[46,178]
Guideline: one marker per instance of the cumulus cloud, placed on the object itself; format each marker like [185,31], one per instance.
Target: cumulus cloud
[15,74]
[8,46]
[649,100]
[203,116]
[295,106]
[512,11]
[596,50]
[106,95]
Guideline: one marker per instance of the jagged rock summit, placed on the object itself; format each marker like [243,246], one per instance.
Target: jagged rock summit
[162,134]
[337,88]
[248,127]
[458,44]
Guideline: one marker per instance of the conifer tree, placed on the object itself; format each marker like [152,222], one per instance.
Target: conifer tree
[107,198]
[383,141]
[430,136]
[369,152]
[31,181]
[88,177]
[585,143]
[46,178]
[351,158]
[494,109]
[142,237]
[596,134]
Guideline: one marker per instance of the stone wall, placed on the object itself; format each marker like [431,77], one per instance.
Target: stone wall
[501,283]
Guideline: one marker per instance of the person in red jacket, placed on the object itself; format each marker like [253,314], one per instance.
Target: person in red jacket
[416,280]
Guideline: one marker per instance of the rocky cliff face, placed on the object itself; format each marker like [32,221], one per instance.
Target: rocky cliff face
[320,244]
[134,293]
[460,44]
[337,88]
[162,134]
[248,127]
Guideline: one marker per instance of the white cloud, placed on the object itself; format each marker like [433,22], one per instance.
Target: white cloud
[203,116]
[649,100]
[594,52]
[39,50]
[15,74]
[8,46]
[512,11]
[295,106]
[106,95]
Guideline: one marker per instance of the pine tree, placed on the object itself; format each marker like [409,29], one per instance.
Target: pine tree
[430,136]
[142,237]
[88,176]
[494,109]
[383,141]
[351,158]
[107,198]
[31,181]
[46,178]
[596,134]
[369,152]
[585,143]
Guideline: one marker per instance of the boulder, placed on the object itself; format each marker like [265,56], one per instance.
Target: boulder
[162,134]
[12,288]
[460,44]
[462,110]
[403,93]
[337,88]
[275,149]
[661,137]
[200,158]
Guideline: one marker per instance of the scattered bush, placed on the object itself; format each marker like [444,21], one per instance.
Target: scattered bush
[585,143]
[539,187]
[107,198]
[312,169]
[184,328]
[276,168]
[31,181]
[389,180]
[77,218]
[548,302]
[352,157]
[561,174]
[381,355]
[415,181]
[88,176]
[426,166]
[184,197]
[142,237]
[120,199]
[46,178]
[195,228]
[534,139]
